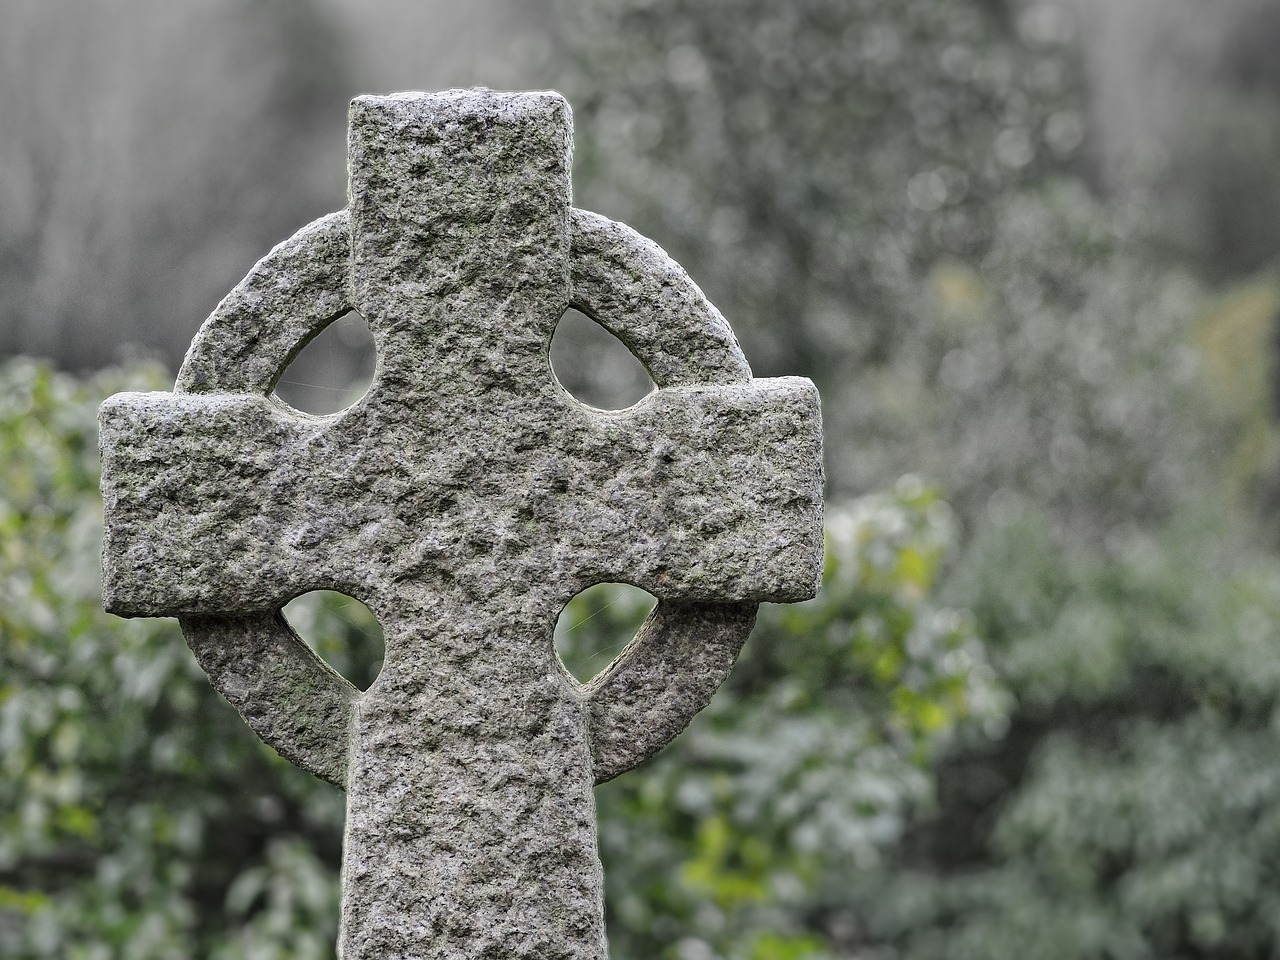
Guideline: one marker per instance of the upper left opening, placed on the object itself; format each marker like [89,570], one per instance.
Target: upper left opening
[333,371]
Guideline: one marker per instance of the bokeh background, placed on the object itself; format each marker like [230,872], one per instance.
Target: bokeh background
[1030,252]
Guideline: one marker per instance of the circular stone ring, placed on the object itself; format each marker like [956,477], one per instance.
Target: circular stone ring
[626,283]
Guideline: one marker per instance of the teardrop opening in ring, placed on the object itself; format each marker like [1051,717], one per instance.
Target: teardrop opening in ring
[342,631]
[595,366]
[597,624]
[333,371]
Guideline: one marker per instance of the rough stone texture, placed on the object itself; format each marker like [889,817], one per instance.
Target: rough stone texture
[465,499]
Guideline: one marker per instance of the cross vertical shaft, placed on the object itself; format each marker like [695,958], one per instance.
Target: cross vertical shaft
[470,768]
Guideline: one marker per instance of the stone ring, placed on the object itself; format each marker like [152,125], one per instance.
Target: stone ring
[290,697]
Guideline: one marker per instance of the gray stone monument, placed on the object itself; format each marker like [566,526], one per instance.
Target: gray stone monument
[465,499]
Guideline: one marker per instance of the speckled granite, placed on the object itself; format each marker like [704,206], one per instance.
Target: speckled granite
[464,499]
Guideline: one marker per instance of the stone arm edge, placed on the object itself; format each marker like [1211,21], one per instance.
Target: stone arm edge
[679,658]
[292,699]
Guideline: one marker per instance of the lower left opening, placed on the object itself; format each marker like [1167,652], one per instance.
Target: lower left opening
[342,631]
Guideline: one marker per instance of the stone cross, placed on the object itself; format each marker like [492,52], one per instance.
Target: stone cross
[465,499]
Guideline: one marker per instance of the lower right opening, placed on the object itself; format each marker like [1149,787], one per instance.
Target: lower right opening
[596,624]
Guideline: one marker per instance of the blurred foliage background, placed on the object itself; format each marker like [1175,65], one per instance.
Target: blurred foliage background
[1030,252]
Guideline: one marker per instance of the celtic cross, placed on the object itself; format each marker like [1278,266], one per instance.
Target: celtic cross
[465,499]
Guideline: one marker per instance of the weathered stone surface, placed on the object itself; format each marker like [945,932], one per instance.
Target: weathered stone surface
[231,502]
[465,499]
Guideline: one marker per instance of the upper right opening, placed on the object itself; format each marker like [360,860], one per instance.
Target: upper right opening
[595,366]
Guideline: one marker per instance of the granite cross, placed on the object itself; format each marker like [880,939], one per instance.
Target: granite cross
[465,499]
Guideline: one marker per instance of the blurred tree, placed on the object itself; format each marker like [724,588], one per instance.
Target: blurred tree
[1182,118]
[145,148]
[1220,183]
[808,160]
[1130,810]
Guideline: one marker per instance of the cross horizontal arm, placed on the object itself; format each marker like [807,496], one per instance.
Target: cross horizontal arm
[190,487]
[701,493]
[232,503]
